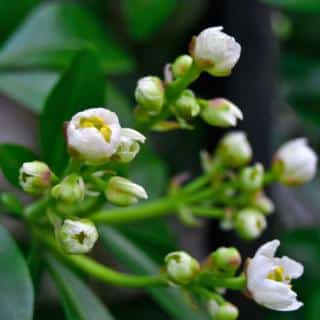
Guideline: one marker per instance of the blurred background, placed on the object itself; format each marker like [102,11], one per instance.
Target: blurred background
[276,84]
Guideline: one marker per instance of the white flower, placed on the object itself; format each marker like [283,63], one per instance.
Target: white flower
[149,94]
[215,51]
[129,146]
[123,192]
[268,278]
[221,112]
[235,149]
[295,162]
[181,267]
[77,236]
[93,135]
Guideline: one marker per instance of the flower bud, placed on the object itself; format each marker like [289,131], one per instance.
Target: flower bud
[129,145]
[225,260]
[226,311]
[149,94]
[295,163]
[221,112]
[123,192]
[186,106]
[181,267]
[234,149]
[215,52]
[93,135]
[250,223]
[251,178]
[181,65]
[71,189]
[77,236]
[261,202]
[35,177]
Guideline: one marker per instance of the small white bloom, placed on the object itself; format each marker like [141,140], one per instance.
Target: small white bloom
[215,51]
[295,162]
[93,135]
[123,192]
[221,112]
[149,94]
[35,177]
[268,278]
[129,145]
[235,149]
[251,178]
[77,236]
[181,267]
[250,223]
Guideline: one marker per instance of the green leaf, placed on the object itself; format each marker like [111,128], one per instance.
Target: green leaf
[16,289]
[28,88]
[12,13]
[170,299]
[81,86]
[54,32]
[11,203]
[12,156]
[79,302]
[307,6]
[145,17]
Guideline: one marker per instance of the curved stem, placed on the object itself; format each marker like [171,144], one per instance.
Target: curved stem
[101,272]
[234,283]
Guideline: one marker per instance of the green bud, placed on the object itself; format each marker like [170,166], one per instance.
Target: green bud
[250,223]
[70,190]
[35,177]
[227,311]
[234,149]
[186,106]
[181,65]
[149,94]
[181,267]
[123,192]
[221,112]
[263,203]
[251,178]
[77,236]
[226,260]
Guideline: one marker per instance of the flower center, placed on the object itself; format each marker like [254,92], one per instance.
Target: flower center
[80,237]
[99,124]
[277,274]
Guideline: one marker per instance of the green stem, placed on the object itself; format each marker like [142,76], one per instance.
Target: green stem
[101,272]
[36,209]
[207,212]
[234,283]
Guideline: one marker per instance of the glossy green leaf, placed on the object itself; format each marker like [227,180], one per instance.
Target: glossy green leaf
[170,299]
[81,86]
[16,289]
[28,88]
[307,6]
[54,32]
[78,300]
[144,17]
[12,156]
[12,13]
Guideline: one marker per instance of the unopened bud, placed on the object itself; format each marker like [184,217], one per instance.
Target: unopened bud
[251,178]
[181,267]
[123,192]
[186,106]
[263,203]
[71,189]
[215,52]
[221,112]
[234,149]
[129,145]
[149,94]
[181,65]
[225,260]
[77,236]
[226,311]
[295,163]
[35,177]
[250,223]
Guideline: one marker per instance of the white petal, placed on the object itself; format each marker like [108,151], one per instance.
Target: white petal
[268,249]
[133,134]
[291,267]
[295,305]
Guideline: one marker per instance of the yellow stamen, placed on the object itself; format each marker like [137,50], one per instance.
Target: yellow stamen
[277,274]
[99,124]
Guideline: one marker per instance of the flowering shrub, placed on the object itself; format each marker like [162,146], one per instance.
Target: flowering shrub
[71,203]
